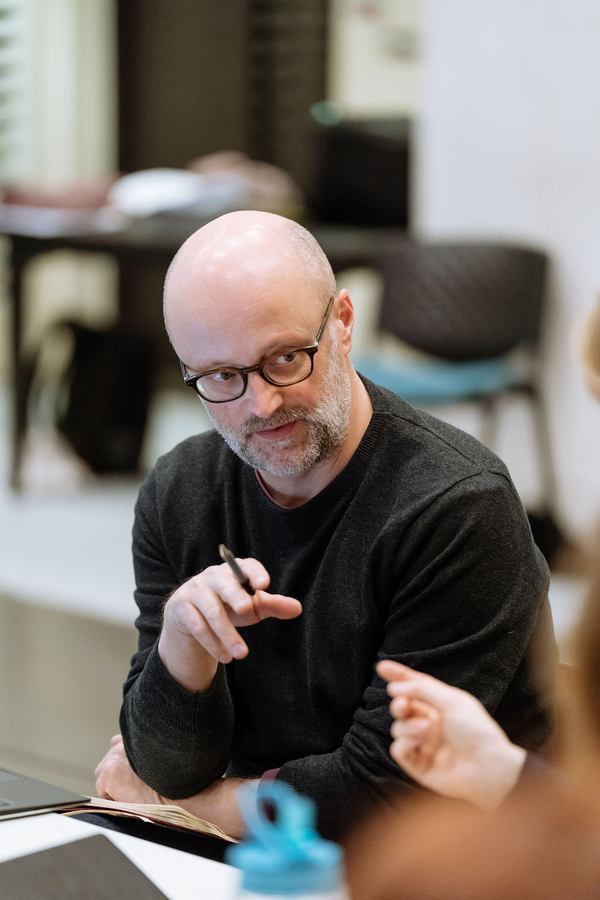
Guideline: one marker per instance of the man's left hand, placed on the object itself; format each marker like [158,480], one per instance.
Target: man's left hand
[217,803]
[116,780]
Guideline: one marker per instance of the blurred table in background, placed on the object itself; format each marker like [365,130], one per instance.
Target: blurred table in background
[152,241]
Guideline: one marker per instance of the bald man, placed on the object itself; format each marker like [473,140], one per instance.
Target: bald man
[367,530]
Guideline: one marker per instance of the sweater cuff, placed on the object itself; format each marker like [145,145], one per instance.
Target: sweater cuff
[269,808]
[269,775]
[158,691]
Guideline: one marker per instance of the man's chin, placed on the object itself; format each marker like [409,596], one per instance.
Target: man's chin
[280,459]
[310,444]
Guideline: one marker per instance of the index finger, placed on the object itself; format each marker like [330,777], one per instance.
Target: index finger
[255,572]
[432,691]
[398,676]
[247,574]
[394,671]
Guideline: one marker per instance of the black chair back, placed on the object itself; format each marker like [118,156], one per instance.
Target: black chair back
[463,301]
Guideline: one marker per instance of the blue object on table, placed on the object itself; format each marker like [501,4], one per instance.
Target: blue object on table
[285,856]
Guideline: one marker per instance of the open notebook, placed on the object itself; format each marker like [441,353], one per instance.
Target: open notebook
[21,795]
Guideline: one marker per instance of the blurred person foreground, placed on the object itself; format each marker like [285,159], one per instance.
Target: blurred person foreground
[541,842]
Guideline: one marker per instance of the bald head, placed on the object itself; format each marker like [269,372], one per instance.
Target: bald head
[237,255]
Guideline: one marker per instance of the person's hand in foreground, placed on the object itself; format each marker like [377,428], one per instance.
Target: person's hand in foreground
[116,780]
[201,617]
[446,740]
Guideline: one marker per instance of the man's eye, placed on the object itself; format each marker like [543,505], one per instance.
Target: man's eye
[285,359]
[222,376]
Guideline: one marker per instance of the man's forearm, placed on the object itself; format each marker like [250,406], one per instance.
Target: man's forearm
[177,741]
[218,804]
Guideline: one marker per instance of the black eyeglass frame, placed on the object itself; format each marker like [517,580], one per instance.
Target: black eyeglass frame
[192,380]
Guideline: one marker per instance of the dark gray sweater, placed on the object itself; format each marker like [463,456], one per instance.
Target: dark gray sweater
[418,551]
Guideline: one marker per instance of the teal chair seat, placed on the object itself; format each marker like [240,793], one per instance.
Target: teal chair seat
[436,382]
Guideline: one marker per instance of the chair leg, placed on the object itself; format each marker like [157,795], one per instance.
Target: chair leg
[489,421]
[545,453]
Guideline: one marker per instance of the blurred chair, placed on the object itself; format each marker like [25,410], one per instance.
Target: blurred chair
[475,309]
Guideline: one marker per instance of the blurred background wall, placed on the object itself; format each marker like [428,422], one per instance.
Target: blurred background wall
[507,148]
[374,57]
[58,114]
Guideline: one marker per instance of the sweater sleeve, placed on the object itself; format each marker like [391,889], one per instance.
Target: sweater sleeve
[468,587]
[177,741]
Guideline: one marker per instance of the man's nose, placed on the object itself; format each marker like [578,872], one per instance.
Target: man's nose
[262,399]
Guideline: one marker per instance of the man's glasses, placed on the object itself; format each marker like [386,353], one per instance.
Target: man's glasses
[285,368]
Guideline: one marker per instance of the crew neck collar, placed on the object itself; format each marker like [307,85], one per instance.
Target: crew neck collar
[347,479]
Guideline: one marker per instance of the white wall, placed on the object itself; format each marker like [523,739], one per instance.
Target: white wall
[373,57]
[69,133]
[509,147]
[73,90]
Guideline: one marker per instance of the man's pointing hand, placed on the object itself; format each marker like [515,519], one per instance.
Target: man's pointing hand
[201,617]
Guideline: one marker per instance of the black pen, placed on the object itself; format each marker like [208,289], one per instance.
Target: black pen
[228,557]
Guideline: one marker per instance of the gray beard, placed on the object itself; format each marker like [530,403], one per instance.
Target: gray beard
[327,428]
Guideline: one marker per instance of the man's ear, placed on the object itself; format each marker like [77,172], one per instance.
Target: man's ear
[345,315]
